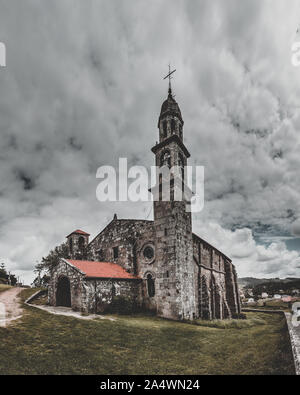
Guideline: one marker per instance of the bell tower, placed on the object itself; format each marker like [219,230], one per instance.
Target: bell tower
[77,244]
[175,279]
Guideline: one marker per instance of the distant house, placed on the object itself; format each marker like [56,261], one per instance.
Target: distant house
[277,296]
[251,300]
[242,295]
[286,298]
[264,295]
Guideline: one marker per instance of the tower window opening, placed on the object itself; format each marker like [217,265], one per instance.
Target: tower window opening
[71,245]
[173,126]
[166,232]
[81,243]
[180,130]
[165,159]
[165,130]
[181,166]
[160,188]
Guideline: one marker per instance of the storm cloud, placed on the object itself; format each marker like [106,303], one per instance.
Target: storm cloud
[83,86]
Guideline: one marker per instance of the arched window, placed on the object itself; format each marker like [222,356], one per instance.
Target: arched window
[180,130]
[181,165]
[165,129]
[113,290]
[165,159]
[173,126]
[150,286]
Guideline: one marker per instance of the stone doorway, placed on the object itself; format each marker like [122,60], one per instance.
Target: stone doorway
[63,292]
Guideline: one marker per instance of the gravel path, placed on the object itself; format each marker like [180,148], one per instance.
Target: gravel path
[10,309]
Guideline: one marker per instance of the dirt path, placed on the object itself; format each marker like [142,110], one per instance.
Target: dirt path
[10,308]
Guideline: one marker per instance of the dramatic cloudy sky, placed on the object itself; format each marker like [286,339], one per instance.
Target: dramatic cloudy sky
[83,86]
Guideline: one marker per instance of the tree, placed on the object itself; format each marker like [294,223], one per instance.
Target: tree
[49,262]
[13,279]
[7,276]
[41,281]
[3,272]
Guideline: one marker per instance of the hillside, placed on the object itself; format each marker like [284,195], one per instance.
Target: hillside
[252,281]
[287,286]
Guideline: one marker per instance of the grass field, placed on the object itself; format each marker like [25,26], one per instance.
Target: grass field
[4,287]
[41,343]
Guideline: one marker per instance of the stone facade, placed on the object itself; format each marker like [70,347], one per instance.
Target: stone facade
[77,285]
[91,295]
[181,276]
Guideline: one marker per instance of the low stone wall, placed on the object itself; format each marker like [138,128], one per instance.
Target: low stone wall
[246,310]
[295,341]
[36,295]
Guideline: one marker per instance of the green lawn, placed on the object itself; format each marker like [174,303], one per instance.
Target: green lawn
[41,343]
[4,287]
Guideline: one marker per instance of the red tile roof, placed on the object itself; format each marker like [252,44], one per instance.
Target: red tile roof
[80,232]
[102,269]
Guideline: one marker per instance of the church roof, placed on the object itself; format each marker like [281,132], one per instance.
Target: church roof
[211,246]
[93,269]
[170,107]
[79,232]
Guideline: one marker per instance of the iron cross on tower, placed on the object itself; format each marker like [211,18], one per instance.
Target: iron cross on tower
[170,77]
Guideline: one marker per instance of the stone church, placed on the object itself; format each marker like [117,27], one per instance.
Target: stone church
[158,265]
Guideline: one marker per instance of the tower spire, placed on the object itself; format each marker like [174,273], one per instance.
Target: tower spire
[169,75]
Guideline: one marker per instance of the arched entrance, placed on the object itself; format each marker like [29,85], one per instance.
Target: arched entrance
[63,292]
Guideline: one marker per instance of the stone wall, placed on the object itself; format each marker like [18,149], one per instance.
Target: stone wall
[131,237]
[174,265]
[102,292]
[218,296]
